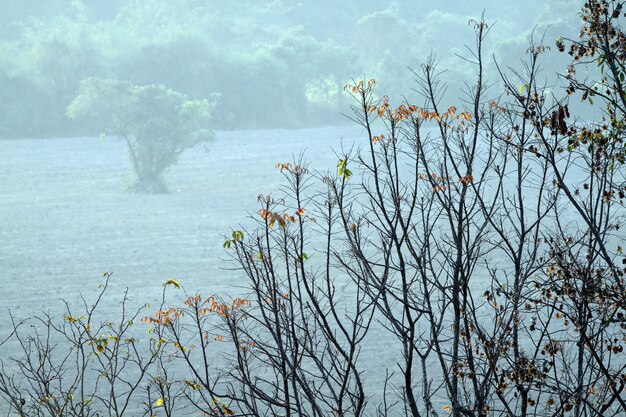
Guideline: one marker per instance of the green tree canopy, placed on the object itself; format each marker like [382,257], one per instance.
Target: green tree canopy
[157,123]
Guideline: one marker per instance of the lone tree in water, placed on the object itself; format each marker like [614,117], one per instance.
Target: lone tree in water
[157,123]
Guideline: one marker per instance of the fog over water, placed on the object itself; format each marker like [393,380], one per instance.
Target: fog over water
[67,215]
[269,64]
[68,218]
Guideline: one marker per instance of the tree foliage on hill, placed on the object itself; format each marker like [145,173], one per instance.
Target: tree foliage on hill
[158,124]
[287,54]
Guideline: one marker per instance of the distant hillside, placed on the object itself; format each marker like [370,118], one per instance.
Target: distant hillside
[275,63]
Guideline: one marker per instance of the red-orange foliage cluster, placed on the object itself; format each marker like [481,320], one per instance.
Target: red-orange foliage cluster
[164,317]
[282,219]
[200,307]
[293,168]
[466,179]
[406,111]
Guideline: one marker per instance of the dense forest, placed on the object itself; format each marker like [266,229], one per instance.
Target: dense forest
[272,63]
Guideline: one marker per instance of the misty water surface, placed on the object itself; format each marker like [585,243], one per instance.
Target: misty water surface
[69,217]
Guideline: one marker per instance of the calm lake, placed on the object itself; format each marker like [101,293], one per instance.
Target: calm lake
[67,219]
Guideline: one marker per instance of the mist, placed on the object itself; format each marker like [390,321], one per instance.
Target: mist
[139,138]
[270,64]
[260,68]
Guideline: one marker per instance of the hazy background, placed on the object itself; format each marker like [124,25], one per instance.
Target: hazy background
[275,63]
[278,67]
[65,210]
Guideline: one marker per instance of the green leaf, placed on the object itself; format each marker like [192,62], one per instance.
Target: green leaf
[521,89]
[341,167]
[227,244]
[172,282]
[590,101]
[343,170]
